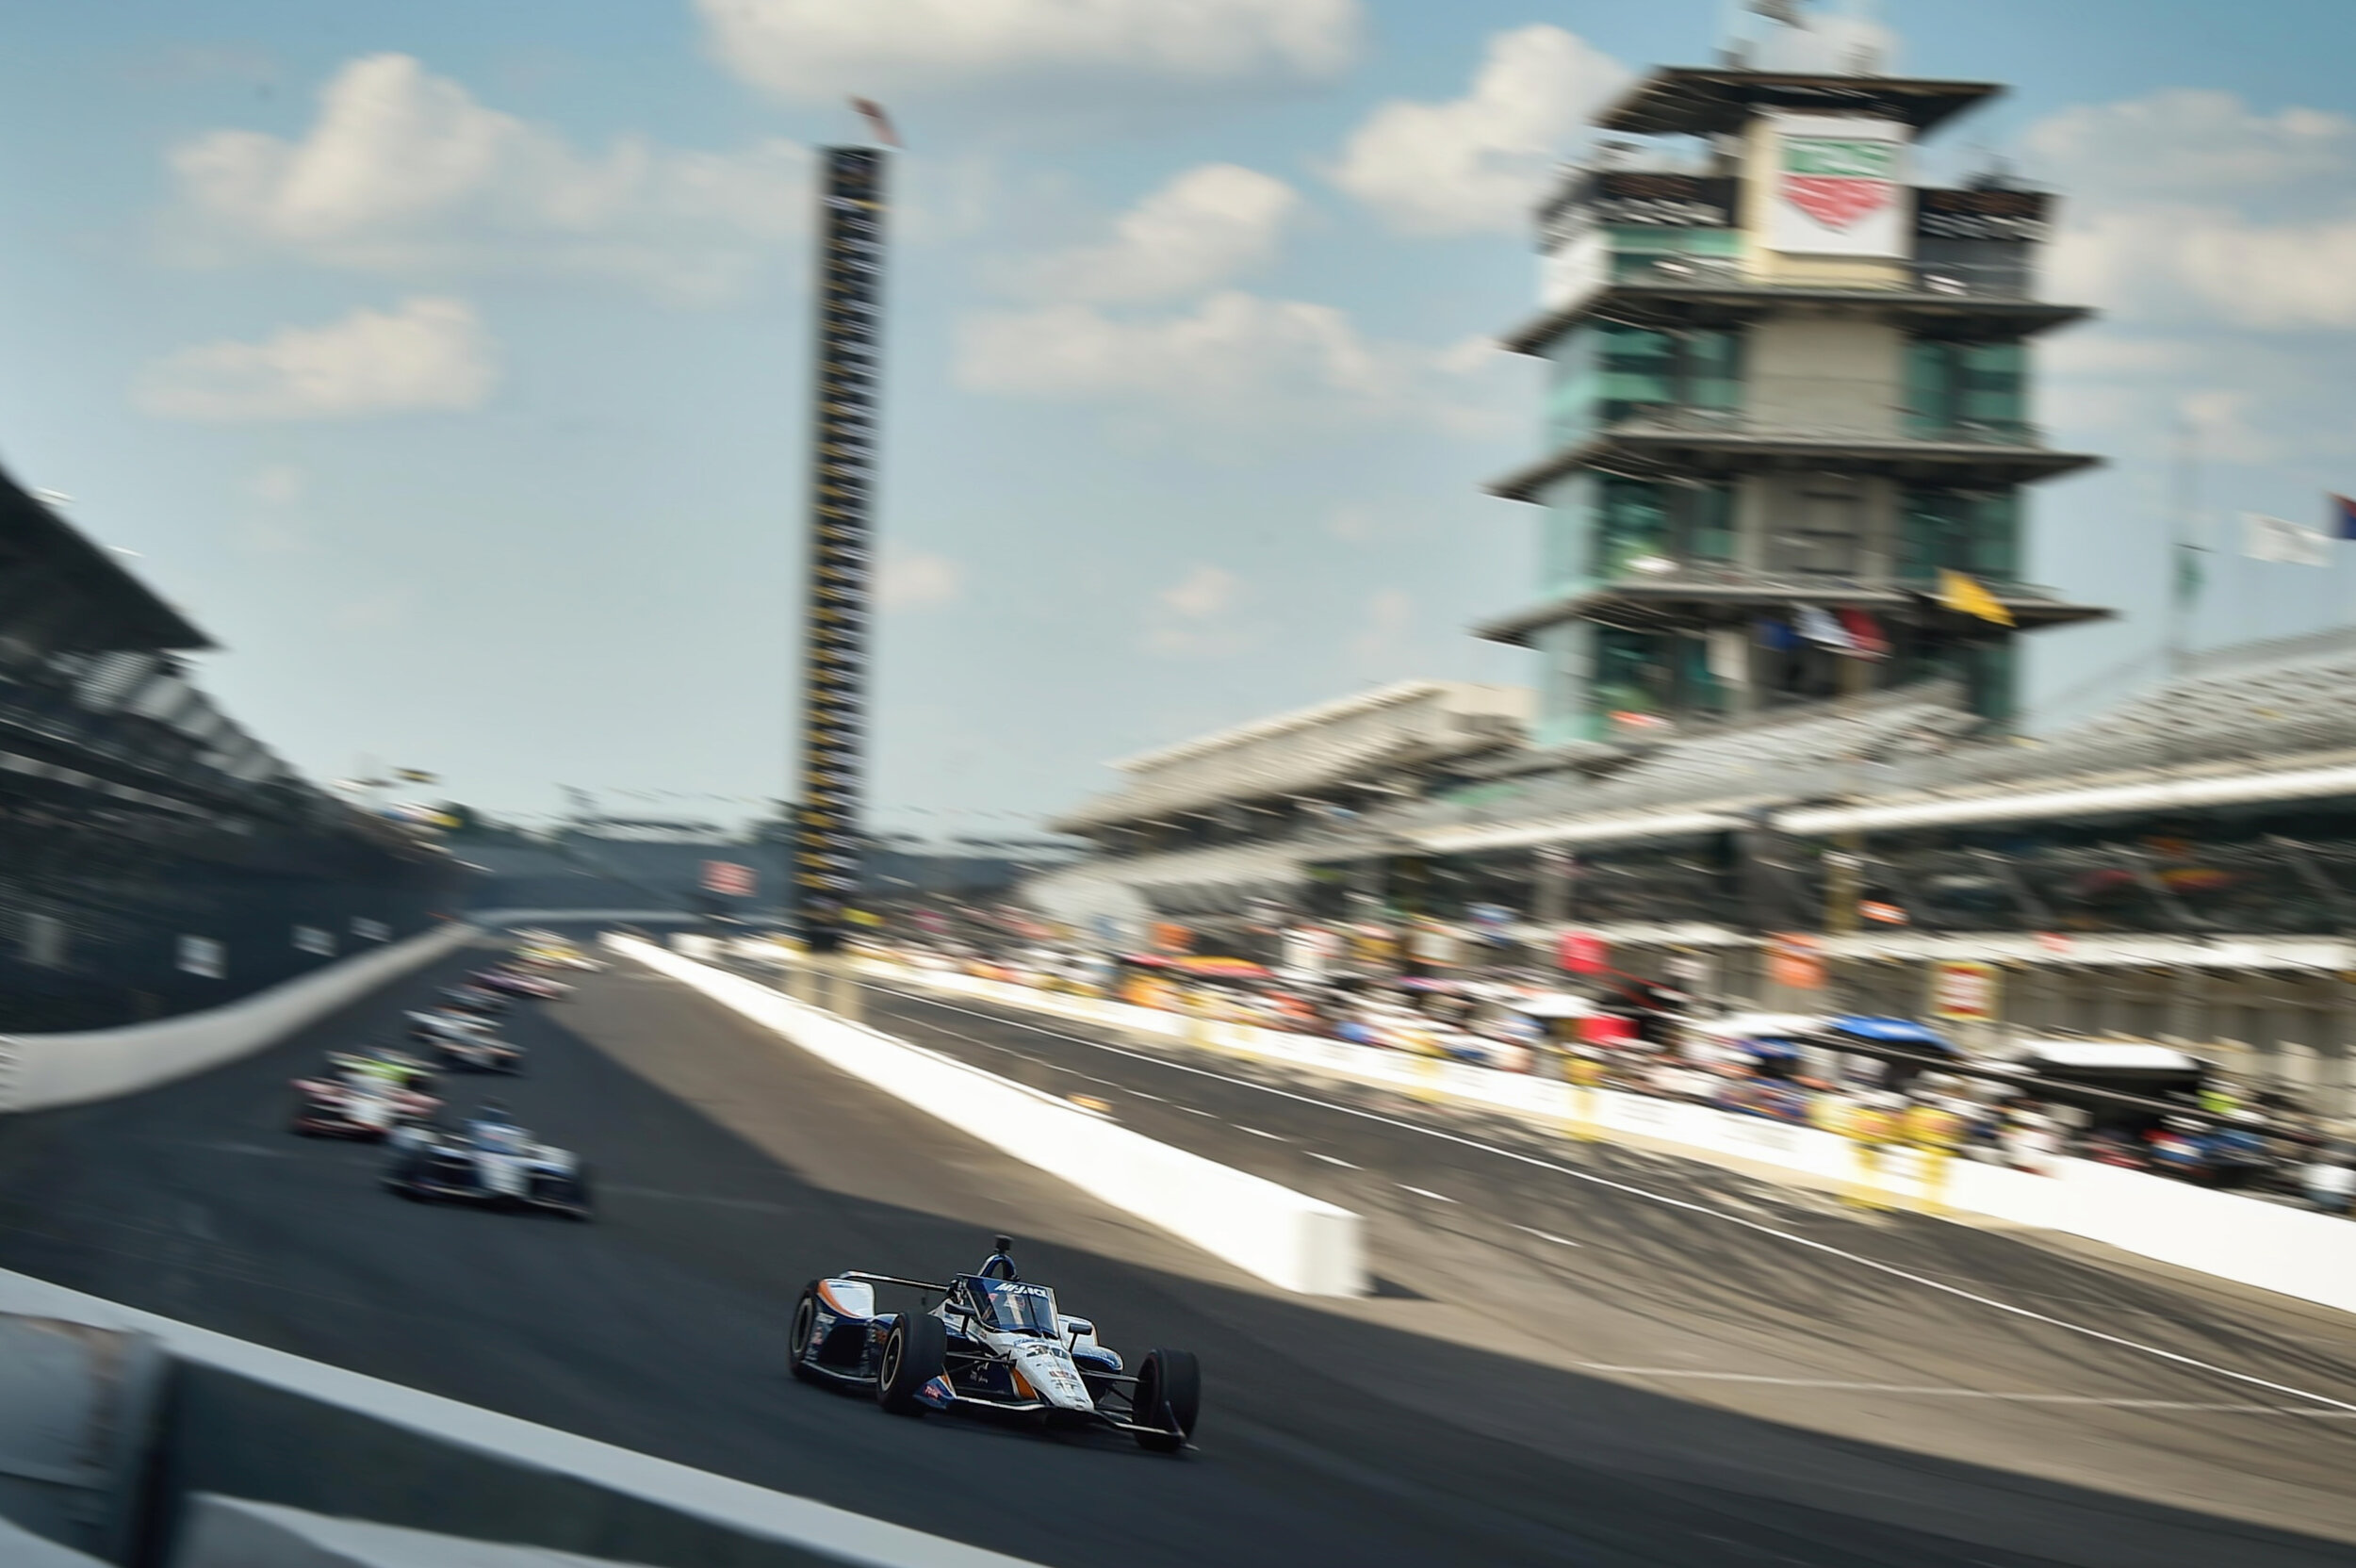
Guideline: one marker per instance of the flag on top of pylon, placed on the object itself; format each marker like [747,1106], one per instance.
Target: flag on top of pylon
[1965,596]
[2343,517]
[879,122]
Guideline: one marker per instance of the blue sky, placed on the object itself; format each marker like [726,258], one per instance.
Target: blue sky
[445,360]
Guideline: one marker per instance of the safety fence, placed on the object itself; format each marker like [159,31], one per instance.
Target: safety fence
[2273,1247]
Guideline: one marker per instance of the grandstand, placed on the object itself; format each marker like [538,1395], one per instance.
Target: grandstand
[1208,828]
[2181,867]
[154,856]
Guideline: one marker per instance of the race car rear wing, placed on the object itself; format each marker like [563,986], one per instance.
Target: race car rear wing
[891,1279]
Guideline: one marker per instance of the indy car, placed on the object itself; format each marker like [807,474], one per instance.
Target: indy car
[362,1096]
[461,1040]
[471,999]
[995,1342]
[490,1161]
[515,982]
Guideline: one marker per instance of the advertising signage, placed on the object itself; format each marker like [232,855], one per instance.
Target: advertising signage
[1836,187]
[849,286]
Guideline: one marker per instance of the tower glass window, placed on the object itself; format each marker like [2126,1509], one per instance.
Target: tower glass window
[1977,389]
[1608,373]
[1974,532]
[1638,521]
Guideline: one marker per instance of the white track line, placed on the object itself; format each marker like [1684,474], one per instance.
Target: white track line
[1257,1133]
[1825,1248]
[1426,1192]
[1559,1241]
[1329,1159]
[1912,1391]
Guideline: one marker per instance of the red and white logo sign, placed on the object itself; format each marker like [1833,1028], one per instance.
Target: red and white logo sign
[1583,953]
[1835,203]
[1964,991]
[728,879]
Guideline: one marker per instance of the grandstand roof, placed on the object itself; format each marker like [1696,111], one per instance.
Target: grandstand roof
[62,592]
[1332,745]
[2247,725]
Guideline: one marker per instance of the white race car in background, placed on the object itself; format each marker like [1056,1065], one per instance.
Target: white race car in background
[463,1039]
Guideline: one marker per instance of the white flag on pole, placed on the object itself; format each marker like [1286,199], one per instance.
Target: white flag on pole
[2265,538]
[1730,655]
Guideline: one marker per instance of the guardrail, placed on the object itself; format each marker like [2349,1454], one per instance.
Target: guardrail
[42,1072]
[247,1422]
[1282,1237]
[2291,1251]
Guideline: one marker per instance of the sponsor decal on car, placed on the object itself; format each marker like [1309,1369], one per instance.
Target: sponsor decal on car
[938,1393]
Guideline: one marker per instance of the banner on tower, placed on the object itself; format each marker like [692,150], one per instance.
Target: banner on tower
[1835,187]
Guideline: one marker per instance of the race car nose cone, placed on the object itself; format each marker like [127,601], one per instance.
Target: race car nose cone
[1047,1368]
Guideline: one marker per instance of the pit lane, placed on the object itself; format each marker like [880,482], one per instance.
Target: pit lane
[1443,1421]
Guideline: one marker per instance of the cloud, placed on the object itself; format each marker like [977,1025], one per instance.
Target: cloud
[1477,163]
[1193,617]
[2189,207]
[404,173]
[426,354]
[1384,634]
[1200,230]
[1234,361]
[819,49]
[385,611]
[277,484]
[1353,523]
[916,579]
[273,526]
[2188,142]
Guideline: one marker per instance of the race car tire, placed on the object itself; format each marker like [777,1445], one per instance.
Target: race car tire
[913,1355]
[400,1177]
[805,1325]
[1169,1397]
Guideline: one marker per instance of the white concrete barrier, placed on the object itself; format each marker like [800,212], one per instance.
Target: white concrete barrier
[248,1421]
[41,1071]
[1286,1237]
[2288,1250]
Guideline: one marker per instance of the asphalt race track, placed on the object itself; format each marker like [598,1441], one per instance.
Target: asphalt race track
[1462,1415]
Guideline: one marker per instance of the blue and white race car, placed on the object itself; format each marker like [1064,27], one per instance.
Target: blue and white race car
[994,1341]
[491,1161]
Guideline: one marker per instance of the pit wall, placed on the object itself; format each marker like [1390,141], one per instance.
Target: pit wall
[243,1421]
[2291,1251]
[42,1072]
[1288,1238]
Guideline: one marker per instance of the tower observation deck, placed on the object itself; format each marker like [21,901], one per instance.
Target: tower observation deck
[1788,405]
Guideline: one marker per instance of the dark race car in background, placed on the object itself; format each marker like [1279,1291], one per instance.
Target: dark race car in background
[490,1161]
[994,1342]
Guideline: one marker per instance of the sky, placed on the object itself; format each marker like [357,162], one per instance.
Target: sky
[446,362]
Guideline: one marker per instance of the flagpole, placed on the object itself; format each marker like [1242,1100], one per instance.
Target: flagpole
[2180,587]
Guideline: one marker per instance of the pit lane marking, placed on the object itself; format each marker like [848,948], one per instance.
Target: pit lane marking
[1760,1227]
[1426,1192]
[1933,1392]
